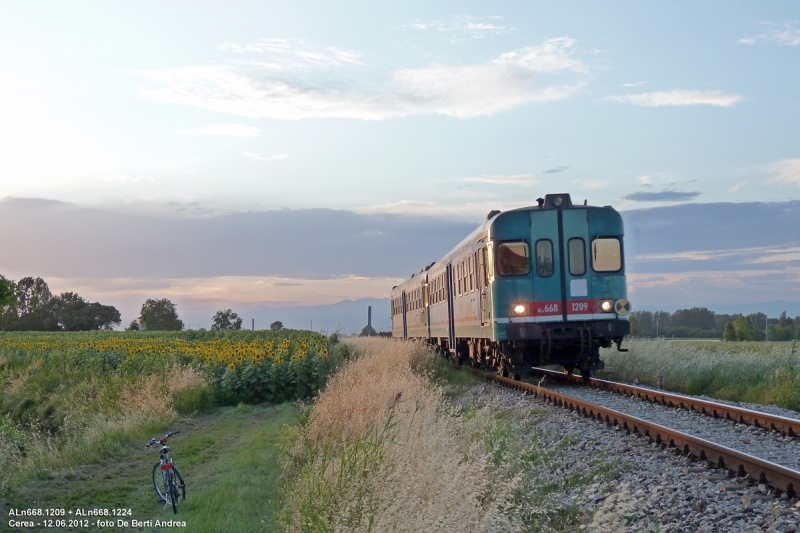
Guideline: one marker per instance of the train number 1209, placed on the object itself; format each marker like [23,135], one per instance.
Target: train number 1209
[580,306]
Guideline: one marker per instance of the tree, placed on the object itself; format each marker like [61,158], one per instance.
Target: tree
[7,289]
[133,326]
[744,329]
[73,313]
[226,320]
[160,315]
[368,331]
[730,332]
[33,310]
[275,326]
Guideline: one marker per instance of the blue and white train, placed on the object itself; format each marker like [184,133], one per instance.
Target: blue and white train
[539,285]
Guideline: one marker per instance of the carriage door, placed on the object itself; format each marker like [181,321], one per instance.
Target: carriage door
[425,309]
[483,283]
[578,297]
[405,321]
[451,319]
[548,286]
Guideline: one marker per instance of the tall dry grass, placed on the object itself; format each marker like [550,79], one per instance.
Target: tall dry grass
[383,450]
[128,408]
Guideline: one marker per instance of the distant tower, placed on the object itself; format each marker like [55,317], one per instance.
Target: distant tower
[369,321]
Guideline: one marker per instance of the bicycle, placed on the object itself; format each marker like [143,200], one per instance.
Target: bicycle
[167,480]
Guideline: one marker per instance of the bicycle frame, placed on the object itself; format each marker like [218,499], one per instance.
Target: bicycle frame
[169,484]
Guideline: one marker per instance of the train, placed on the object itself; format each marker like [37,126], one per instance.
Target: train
[535,286]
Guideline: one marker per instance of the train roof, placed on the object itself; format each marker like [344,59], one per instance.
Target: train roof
[549,202]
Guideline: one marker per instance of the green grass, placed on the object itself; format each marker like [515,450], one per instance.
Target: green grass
[756,372]
[230,460]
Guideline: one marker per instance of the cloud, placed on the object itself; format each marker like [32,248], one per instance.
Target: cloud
[462,212]
[297,49]
[556,169]
[785,35]
[514,179]
[679,97]
[725,226]
[256,157]
[663,196]
[634,84]
[232,130]
[474,27]
[513,79]
[736,187]
[151,244]
[787,172]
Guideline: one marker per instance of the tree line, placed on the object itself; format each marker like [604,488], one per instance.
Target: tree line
[700,322]
[29,305]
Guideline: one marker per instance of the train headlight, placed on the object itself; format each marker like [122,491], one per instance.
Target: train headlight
[520,309]
[606,306]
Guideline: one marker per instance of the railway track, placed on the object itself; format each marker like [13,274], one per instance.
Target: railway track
[736,463]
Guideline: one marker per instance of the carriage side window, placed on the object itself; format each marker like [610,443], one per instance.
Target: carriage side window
[513,259]
[471,273]
[461,281]
[606,254]
[577,257]
[544,258]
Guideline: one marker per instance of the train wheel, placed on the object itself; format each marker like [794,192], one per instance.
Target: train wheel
[503,370]
[586,374]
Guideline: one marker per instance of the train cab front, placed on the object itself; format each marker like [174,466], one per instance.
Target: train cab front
[559,289]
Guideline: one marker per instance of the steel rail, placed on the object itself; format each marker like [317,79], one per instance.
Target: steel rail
[738,464]
[788,426]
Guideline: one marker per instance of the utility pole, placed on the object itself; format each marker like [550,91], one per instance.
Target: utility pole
[369,321]
[766,329]
[253,327]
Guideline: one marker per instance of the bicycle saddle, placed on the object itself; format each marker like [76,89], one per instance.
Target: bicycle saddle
[165,449]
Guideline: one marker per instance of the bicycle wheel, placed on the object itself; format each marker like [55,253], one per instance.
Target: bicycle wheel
[173,492]
[181,484]
[160,483]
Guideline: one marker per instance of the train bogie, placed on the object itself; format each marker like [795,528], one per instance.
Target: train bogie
[538,285]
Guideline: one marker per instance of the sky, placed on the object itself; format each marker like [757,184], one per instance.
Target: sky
[260,155]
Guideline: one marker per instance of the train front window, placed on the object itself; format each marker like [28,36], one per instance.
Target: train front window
[513,259]
[577,257]
[606,254]
[544,258]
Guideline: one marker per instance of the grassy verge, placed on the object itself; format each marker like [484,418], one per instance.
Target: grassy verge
[757,372]
[401,441]
[229,458]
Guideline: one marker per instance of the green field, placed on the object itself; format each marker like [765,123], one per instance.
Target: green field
[757,372]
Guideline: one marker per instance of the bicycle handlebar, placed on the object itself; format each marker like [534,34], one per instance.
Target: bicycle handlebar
[163,439]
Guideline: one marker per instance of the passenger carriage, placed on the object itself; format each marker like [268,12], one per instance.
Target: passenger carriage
[532,286]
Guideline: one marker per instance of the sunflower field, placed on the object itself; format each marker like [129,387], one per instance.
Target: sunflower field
[243,366]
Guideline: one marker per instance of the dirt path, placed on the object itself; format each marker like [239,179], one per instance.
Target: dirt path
[220,454]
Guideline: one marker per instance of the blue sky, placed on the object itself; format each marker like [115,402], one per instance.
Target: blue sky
[196,114]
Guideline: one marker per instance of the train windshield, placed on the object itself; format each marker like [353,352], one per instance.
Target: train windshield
[513,259]
[606,254]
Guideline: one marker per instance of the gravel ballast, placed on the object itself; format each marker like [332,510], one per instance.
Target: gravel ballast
[655,490]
